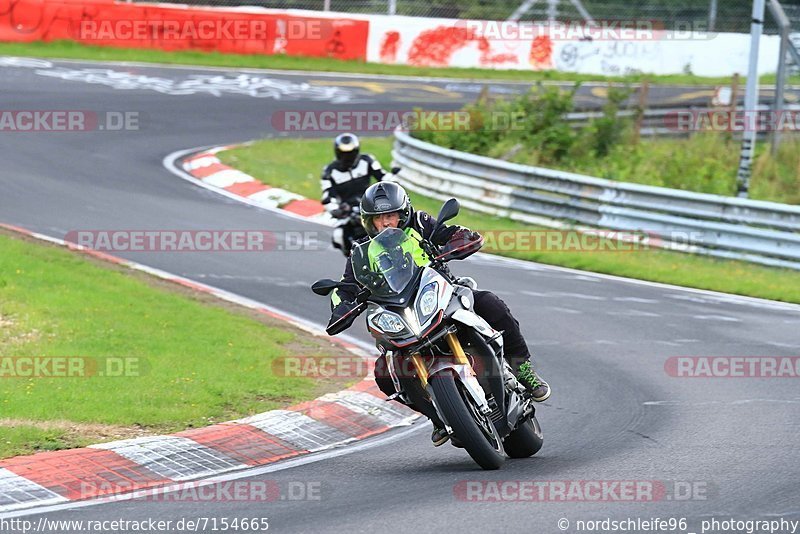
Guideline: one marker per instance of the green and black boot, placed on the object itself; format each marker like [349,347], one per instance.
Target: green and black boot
[538,388]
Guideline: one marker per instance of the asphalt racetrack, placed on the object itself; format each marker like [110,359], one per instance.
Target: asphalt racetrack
[713,448]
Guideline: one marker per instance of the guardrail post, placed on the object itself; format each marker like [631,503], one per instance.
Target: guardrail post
[734,93]
[750,102]
[780,78]
[644,89]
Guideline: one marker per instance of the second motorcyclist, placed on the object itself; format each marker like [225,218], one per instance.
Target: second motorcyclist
[386,205]
[343,182]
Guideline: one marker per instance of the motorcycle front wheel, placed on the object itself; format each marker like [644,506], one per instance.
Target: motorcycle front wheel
[474,430]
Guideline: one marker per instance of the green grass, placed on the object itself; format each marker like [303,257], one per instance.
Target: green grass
[74,50]
[201,361]
[24,439]
[275,161]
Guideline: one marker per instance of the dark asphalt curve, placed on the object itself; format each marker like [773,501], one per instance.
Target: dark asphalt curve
[615,414]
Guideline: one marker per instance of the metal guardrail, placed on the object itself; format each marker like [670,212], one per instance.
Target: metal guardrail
[727,227]
[654,121]
[657,122]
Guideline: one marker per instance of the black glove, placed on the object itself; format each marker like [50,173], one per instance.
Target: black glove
[342,211]
[463,242]
[339,312]
[463,236]
[443,235]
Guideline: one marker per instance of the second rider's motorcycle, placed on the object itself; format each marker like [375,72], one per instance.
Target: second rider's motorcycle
[438,350]
[349,224]
[349,228]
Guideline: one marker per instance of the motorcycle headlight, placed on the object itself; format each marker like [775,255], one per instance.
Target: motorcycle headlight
[428,300]
[389,322]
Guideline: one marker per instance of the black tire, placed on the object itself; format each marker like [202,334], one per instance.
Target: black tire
[461,414]
[525,440]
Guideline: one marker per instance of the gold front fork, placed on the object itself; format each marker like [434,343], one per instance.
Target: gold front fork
[422,371]
[455,347]
[458,355]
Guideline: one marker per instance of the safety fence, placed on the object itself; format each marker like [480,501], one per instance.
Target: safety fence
[608,47]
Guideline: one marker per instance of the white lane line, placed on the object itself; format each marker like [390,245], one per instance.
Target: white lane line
[585,278]
[717,402]
[636,299]
[254,472]
[562,294]
[723,318]
[564,310]
[633,313]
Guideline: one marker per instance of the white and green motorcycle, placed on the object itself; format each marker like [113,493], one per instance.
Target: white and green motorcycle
[438,350]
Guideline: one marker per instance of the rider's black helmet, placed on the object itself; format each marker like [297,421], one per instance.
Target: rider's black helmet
[384,197]
[346,147]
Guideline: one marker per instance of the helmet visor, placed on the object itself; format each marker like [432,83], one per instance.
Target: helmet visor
[347,153]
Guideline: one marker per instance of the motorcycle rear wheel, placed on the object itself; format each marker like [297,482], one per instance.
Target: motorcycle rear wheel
[525,440]
[474,430]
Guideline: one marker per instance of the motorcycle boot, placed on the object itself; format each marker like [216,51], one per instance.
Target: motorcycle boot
[536,386]
[439,436]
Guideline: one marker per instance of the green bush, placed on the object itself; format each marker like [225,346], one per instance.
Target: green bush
[534,121]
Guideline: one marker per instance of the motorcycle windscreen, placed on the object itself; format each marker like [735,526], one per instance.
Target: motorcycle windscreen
[385,264]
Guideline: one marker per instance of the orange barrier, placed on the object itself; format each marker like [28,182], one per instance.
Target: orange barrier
[108,23]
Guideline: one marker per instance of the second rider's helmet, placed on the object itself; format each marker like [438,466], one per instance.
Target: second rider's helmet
[347,149]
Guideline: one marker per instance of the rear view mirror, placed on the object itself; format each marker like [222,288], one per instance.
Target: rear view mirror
[448,211]
[324,287]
